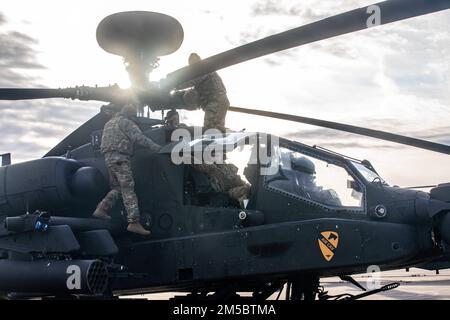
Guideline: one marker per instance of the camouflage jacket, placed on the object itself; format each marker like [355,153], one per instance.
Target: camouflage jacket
[209,87]
[222,177]
[120,134]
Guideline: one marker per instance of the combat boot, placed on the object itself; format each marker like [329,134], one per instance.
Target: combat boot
[137,227]
[242,201]
[100,214]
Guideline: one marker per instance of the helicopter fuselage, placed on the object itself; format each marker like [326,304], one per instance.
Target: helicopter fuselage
[202,239]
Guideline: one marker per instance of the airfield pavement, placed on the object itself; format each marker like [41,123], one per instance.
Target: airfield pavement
[417,284]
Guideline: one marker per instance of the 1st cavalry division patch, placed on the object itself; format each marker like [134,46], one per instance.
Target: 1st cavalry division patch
[328,242]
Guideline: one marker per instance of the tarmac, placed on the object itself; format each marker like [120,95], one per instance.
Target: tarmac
[417,284]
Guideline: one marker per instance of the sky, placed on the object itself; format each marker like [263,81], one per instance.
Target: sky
[394,78]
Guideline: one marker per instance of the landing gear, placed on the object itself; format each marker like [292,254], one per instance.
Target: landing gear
[267,290]
[302,288]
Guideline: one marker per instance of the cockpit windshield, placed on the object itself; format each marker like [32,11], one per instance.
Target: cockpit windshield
[314,180]
[368,174]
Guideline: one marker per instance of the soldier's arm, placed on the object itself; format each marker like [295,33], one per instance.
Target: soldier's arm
[135,135]
[192,83]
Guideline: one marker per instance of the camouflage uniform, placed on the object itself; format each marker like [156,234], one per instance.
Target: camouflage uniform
[212,97]
[224,179]
[119,136]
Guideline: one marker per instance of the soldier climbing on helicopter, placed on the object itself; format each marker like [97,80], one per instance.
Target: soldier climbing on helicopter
[119,135]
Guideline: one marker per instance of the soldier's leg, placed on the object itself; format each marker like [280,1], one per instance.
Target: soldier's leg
[213,117]
[209,121]
[240,193]
[130,201]
[126,182]
[215,114]
[111,198]
[222,110]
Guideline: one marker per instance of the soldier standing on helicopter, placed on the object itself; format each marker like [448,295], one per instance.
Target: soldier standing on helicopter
[119,135]
[212,97]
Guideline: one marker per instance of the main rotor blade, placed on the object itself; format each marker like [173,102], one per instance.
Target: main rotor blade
[105,94]
[418,143]
[351,21]
[27,94]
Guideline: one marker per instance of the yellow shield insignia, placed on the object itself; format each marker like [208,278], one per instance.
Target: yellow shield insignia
[328,242]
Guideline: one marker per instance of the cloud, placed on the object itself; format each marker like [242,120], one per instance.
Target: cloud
[2,19]
[284,14]
[305,11]
[335,139]
[17,53]
[29,128]
[394,78]
[337,48]
[288,14]
[439,135]
[416,41]
[285,8]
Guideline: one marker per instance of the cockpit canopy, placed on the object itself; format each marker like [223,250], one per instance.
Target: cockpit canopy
[306,173]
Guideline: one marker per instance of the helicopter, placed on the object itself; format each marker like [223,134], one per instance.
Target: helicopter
[317,214]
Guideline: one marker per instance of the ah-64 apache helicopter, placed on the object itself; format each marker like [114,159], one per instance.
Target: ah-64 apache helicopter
[202,242]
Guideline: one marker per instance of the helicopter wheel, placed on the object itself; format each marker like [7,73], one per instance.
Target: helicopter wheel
[303,288]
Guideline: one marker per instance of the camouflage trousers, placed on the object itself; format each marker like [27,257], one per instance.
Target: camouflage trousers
[122,185]
[225,179]
[240,193]
[215,114]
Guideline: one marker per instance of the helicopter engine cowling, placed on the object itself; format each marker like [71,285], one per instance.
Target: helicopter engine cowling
[53,184]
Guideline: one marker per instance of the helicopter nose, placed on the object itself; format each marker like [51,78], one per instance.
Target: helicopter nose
[439,211]
[441,196]
[444,228]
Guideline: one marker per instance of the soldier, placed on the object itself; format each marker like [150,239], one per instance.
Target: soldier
[119,135]
[225,179]
[172,119]
[212,97]
[306,180]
